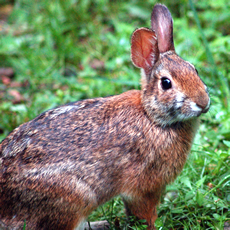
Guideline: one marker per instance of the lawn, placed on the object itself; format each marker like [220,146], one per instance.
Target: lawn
[62,51]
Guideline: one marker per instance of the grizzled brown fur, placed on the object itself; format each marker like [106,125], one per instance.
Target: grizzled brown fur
[59,167]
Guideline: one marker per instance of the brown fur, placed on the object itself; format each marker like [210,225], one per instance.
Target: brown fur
[59,167]
[122,159]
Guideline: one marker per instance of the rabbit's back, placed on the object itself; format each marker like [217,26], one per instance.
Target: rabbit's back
[76,138]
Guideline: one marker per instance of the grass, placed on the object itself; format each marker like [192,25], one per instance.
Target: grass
[63,51]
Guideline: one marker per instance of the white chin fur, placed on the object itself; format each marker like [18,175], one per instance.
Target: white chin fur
[194,107]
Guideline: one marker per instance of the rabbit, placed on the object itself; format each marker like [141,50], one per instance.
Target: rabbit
[59,167]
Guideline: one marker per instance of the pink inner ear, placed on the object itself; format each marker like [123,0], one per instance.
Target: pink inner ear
[161,22]
[144,50]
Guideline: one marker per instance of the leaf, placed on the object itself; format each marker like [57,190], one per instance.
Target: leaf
[177,210]
[189,195]
[21,108]
[227,143]
[200,182]
[216,216]
[186,182]
[199,198]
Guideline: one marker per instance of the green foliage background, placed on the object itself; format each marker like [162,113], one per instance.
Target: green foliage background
[63,51]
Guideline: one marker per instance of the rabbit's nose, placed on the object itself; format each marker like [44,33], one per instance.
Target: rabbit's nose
[203,103]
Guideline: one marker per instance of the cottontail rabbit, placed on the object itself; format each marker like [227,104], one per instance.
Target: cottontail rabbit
[59,167]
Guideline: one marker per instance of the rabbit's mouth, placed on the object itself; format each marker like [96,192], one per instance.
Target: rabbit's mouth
[187,111]
[180,111]
[192,109]
[196,108]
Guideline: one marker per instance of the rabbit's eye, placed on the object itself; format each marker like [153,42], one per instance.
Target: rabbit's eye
[166,83]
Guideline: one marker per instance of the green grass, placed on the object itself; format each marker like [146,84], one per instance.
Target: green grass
[63,51]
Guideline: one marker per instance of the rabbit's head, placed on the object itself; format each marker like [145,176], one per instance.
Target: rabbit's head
[172,91]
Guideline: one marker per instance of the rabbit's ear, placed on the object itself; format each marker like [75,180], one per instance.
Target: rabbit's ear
[162,24]
[144,50]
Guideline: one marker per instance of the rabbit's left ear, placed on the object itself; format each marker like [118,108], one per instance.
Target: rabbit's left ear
[144,50]
[162,24]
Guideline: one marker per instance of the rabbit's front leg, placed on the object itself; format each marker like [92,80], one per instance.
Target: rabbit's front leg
[143,207]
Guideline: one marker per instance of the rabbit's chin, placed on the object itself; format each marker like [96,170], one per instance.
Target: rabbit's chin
[167,117]
[169,121]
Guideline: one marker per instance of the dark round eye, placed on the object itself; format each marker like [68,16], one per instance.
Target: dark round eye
[166,83]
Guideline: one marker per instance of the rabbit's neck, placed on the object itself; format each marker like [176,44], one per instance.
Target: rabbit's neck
[170,149]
